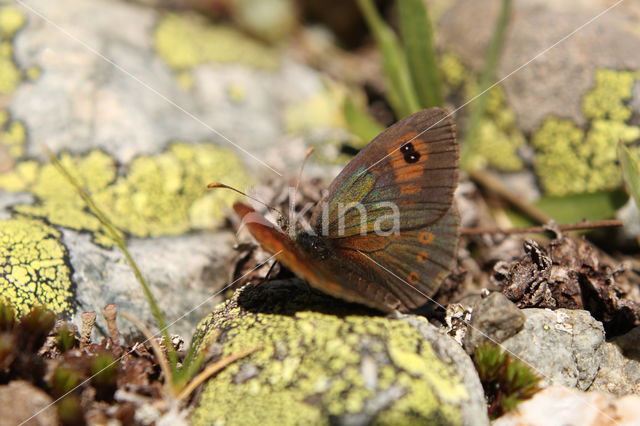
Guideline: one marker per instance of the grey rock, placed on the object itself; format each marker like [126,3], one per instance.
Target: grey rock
[494,319]
[186,274]
[564,346]
[619,372]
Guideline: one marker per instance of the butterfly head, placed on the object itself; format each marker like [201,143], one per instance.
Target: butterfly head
[313,244]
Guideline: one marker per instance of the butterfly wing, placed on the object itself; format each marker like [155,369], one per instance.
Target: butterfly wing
[349,285]
[412,165]
[410,265]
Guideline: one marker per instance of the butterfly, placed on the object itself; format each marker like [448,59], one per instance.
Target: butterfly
[359,247]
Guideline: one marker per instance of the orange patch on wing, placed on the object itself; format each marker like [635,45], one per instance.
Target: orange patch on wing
[426,238]
[410,171]
[366,243]
[409,188]
[422,256]
[413,278]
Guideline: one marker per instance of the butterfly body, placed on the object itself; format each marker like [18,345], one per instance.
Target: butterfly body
[386,234]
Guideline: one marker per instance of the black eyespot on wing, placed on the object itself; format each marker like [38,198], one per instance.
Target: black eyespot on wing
[412,157]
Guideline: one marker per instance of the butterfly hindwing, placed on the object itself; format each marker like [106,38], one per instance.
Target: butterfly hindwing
[409,170]
[410,265]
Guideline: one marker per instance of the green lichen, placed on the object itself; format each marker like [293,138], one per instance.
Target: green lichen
[162,194]
[185,42]
[498,137]
[310,369]
[570,160]
[12,135]
[33,267]
[11,20]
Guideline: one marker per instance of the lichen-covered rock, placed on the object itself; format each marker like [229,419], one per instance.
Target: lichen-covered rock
[573,103]
[144,114]
[323,361]
[564,346]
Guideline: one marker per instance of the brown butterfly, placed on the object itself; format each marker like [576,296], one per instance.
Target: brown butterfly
[360,248]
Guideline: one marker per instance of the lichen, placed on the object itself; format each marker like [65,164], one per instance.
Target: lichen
[498,137]
[11,20]
[310,368]
[162,194]
[570,160]
[33,267]
[185,42]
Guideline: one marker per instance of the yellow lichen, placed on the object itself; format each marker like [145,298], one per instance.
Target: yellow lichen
[33,267]
[163,194]
[318,357]
[322,109]
[570,160]
[185,42]
[606,100]
[11,20]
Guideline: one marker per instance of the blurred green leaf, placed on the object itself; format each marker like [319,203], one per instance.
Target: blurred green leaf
[574,208]
[417,36]
[360,123]
[630,172]
[401,93]
[487,78]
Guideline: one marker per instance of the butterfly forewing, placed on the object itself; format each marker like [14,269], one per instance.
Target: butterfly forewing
[412,166]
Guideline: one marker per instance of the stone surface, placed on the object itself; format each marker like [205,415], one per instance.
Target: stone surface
[145,114]
[21,403]
[559,406]
[565,347]
[494,319]
[619,372]
[323,361]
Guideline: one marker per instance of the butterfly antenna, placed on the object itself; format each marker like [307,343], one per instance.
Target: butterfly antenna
[222,185]
[304,163]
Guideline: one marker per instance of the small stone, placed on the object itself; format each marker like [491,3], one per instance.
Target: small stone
[494,319]
[23,403]
[564,346]
[572,407]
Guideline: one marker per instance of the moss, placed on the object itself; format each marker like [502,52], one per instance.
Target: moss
[34,267]
[163,194]
[570,160]
[184,42]
[310,369]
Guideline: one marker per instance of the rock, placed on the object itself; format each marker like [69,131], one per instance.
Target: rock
[570,90]
[145,113]
[619,372]
[558,406]
[325,361]
[564,346]
[23,403]
[494,319]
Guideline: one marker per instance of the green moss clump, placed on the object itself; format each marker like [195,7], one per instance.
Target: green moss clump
[506,381]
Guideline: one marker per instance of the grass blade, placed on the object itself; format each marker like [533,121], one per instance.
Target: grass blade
[630,172]
[487,78]
[360,123]
[119,240]
[401,93]
[417,36]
